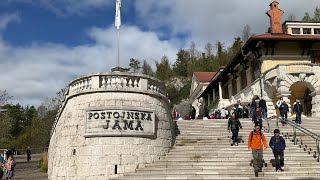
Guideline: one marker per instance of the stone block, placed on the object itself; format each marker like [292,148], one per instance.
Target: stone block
[71,171]
[113,160]
[129,159]
[108,149]
[97,150]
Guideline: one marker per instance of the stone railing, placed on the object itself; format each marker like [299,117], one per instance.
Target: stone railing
[112,82]
[117,82]
[246,94]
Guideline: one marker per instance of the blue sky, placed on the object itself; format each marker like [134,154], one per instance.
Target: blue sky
[46,43]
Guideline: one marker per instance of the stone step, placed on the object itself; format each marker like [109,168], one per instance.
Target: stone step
[227,163]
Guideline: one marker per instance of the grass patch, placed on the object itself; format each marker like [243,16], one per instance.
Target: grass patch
[43,163]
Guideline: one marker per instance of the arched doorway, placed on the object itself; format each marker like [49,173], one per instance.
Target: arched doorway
[300,91]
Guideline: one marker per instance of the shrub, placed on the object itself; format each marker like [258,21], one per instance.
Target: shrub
[43,163]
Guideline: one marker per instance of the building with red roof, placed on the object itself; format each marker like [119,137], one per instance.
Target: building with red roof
[284,62]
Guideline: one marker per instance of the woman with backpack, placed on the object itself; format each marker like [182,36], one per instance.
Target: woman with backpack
[234,125]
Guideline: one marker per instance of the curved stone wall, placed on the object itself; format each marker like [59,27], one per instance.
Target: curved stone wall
[92,137]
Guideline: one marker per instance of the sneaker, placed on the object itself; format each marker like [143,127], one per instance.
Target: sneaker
[236,144]
[282,168]
[256,174]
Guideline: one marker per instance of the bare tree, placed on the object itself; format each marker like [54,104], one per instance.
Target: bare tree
[246,33]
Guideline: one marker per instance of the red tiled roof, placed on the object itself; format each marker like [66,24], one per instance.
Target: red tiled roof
[286,37]
[204,76]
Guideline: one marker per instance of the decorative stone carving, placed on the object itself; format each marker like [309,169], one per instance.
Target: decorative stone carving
[302,76]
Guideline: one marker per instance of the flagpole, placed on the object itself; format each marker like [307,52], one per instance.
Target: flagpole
[119,47]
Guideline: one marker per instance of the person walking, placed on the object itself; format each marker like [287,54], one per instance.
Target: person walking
[10,164]
[263,108]
[256,143]
[28,154]
[297,109]
[278,145]
[253,110]
[234,125]
[284,109]
[223,113]
[193,113]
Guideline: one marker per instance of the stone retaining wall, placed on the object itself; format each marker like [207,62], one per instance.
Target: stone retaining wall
[72,155]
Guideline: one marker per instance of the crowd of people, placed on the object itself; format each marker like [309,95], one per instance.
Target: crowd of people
[257,111]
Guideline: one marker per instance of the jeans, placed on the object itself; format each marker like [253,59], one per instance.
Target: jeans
[284,116]
[279,159]
[257,155]
[234,135]
[264,113]
[298,117]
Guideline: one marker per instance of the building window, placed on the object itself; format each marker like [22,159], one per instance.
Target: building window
[317,31]
[295,30]
[306,30]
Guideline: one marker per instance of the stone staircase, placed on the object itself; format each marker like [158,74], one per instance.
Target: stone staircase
[203,151]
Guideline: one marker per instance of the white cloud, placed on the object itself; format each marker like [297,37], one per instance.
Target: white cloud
[35,72]
[215,20]
[5,19]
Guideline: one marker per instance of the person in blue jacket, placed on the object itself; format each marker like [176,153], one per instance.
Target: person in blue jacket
[278,145]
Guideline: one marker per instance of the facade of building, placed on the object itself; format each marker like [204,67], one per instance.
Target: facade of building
[285,62]
[200,81]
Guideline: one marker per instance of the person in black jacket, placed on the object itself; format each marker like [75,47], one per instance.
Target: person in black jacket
[278,145]
[297,108]
[193,113]
[284,108]
[234,125]
[263,108]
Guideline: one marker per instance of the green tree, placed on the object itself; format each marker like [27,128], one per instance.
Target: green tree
[316,17]
[134,65]
[164,71]
[306,18]
[146,69]
[6,139]
[181,66]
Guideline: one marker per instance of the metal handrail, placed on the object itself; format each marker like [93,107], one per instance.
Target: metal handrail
[305,131]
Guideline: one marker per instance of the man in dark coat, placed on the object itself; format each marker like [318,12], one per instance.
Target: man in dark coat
[278,145]
[297,108]
[263,108]
[284,109]
[253,109]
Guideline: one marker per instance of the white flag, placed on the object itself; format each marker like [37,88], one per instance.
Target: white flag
[118,18]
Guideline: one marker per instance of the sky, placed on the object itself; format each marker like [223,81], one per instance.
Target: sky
[44,44]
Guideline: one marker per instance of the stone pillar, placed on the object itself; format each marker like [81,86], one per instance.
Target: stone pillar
[209,102]
[213,95]
[249,76]
[238,84]
[220,91]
